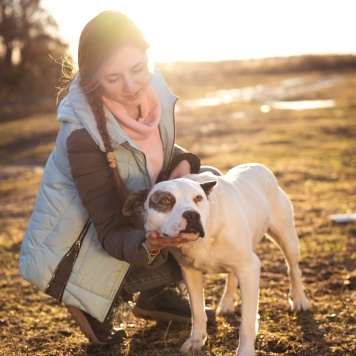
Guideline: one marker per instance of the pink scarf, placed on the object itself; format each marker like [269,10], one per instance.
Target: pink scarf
[143,131]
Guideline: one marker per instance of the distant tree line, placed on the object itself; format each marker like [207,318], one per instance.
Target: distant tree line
[298,64]
[30,49]
[205,73]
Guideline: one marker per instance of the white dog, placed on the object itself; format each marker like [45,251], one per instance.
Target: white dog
[224,218]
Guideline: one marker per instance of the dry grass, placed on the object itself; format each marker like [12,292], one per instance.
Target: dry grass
[313,154]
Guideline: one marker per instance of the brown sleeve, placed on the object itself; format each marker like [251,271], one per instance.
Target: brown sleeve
[93,179]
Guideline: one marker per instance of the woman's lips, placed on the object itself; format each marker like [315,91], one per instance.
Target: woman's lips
[133,96]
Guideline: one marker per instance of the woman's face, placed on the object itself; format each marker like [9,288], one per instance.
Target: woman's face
[125,77]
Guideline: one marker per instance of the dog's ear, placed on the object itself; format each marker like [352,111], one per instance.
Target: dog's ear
[134,202]
[209,186]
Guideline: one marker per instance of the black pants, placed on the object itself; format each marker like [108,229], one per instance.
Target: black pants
[141,278]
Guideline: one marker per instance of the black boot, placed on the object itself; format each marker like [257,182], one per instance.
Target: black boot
[166,304]
[98,333]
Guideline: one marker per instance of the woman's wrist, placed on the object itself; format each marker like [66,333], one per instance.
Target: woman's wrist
[153,250]
[150,255]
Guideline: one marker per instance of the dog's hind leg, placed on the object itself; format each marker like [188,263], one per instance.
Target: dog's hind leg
[229,297]
[282,231]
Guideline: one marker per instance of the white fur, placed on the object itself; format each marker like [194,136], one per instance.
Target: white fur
[245,204]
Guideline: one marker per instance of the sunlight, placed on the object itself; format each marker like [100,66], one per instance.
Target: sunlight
[229,29]
[181,33]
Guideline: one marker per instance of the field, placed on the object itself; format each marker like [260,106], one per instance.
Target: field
[313,154]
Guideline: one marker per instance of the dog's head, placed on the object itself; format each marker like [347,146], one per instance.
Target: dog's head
[174,207]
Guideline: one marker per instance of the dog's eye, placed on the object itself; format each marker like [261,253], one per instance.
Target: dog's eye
[165,201]
[198,198]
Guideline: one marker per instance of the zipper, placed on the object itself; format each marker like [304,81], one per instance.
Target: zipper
[56,270]
[75,247]
[164,176]
[131,148]
[174,133]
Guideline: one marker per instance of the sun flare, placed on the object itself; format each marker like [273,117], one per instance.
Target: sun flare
[209,30]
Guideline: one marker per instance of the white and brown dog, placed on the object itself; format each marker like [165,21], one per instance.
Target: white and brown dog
[224,218]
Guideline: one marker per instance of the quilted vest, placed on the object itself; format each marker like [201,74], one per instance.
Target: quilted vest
[59,216]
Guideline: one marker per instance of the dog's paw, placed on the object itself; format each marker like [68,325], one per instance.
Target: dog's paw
[227,305]
[298,303]
[225,308]
[245,352]
[193,344]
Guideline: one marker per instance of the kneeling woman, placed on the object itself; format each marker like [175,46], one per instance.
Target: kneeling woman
[117,136]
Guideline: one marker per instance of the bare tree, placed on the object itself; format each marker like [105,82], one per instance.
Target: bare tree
[28,34]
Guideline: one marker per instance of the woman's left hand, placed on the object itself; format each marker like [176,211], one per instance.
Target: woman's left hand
[182,169]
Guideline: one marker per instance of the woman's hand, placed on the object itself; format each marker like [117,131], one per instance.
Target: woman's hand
[182,169]
[154,242]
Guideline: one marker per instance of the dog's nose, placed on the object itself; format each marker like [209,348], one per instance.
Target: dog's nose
[191,216]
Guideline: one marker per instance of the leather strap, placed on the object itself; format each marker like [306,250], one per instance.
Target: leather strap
[58,282]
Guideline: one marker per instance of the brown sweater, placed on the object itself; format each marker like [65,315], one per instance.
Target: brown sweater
[95,185]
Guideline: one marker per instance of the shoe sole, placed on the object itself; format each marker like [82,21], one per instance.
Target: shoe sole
[86,328]
[84,325]
[158,316]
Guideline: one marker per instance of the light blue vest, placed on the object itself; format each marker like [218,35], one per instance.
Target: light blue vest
[59,216]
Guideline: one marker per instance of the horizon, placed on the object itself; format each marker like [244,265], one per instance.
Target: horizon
[223,31]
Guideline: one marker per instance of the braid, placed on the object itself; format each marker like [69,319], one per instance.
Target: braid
[96,105]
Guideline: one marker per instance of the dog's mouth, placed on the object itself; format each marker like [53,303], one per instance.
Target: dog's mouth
[196,230]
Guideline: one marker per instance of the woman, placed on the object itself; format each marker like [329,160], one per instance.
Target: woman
[117,136]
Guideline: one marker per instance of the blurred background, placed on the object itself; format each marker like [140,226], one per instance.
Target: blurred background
[294,36]
[269,81]
[229,29]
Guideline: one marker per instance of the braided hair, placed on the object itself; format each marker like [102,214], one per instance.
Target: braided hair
[96,104]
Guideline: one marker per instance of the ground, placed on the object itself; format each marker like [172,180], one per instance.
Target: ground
[312,153]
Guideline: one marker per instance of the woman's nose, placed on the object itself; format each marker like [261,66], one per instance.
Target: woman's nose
[129,83]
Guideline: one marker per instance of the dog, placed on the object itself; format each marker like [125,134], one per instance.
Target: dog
[223,218]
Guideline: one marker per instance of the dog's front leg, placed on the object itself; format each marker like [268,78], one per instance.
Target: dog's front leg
[249,281]
[194,282]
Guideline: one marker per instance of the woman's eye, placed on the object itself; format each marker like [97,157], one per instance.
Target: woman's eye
[110,81]
[165,201]
[138,70]
[113,78]
[198,198]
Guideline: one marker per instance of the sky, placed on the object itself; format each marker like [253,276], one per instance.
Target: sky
[213,30]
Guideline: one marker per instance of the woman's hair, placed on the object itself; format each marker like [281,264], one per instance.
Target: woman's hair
[100,38]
